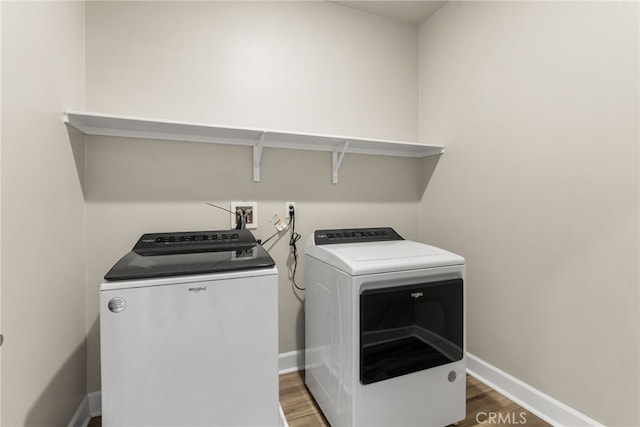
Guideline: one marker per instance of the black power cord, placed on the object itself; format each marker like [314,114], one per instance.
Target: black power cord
[295,237]
[292,245]
[273,235]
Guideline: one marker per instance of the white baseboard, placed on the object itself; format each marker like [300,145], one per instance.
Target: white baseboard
[95,403]
[291,362]
[546,407]
[82,414]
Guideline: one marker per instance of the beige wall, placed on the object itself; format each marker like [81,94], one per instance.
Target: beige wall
[297,66]
[537,104]
[301,66]
[43,257]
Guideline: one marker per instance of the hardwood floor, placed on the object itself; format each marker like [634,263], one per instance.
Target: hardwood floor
[297,404]
[485,406]
[483,401]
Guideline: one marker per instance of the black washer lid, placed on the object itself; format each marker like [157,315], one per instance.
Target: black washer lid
[186,253]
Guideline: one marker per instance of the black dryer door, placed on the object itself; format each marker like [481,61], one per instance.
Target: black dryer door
[410,328]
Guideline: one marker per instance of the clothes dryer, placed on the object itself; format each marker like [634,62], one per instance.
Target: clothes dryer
[384,329]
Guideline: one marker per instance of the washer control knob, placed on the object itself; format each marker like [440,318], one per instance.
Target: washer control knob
[452,376]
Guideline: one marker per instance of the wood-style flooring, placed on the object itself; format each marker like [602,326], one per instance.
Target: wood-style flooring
[482,403]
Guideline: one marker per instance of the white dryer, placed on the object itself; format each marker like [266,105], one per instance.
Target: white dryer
[384,329]
[189,333]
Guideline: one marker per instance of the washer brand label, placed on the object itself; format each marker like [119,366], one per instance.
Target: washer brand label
[198,289]
[417,295]
[117,304]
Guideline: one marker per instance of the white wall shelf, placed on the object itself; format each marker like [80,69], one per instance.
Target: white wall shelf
[136,127]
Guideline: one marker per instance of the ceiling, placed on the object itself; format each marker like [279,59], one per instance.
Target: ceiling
[411,12]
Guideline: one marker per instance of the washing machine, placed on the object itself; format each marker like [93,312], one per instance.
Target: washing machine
[384,329]
[189,332]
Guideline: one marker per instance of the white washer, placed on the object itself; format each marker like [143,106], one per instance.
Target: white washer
[384,329]
[189,333]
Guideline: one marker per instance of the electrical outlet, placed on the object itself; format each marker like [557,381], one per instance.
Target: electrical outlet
[250,210]
[286,209]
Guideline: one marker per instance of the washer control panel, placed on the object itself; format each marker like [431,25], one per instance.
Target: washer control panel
[189,242]
[355,235]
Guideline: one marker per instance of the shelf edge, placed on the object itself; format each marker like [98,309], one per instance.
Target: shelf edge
[206,133]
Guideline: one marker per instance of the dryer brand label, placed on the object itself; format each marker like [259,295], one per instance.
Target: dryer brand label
[417,295]
[117,304]
[198,289]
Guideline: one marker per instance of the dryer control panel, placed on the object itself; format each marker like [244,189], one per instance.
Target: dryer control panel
[355,235]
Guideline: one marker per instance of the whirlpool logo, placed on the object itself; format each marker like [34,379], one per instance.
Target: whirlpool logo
[198,289]
[417,295]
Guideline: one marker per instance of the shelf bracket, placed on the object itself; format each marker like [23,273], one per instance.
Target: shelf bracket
[336,160]
[257,156]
